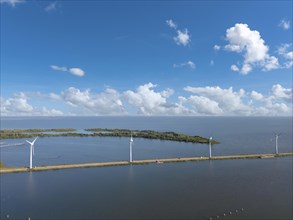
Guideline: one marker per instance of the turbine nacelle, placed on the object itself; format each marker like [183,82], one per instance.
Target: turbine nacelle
[32,143]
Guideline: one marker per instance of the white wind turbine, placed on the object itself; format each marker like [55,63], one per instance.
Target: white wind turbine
[277,147]
[210,147]
[130,149]
[32,151]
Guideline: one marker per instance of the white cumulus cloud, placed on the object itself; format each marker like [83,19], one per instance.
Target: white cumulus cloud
[49,112]
[149,102]
[288,55]
[59,68]
[227,100]
[54,96]
[285,50]
[279,92]
[171,24]
[219,101]
[189,64]
[270,63]
[256,96]
[182,38]
[250,43]
[204,105]
[51,7]
[284,24]
[288,64]
[234,68]
[217,47]
[105,103]
[279,102]
[19,105]
[74,71]
[12,2]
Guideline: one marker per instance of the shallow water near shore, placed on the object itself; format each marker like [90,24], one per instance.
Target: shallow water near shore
[191,190]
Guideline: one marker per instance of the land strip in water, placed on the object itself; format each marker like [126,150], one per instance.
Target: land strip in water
[138,162]
[103,132]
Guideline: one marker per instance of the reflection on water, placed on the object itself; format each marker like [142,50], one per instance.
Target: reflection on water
[31,184]
[130,173]
[211,171]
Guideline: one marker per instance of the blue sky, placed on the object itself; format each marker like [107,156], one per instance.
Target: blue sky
[146,58]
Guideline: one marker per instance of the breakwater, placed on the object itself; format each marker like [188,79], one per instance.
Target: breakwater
[137,162]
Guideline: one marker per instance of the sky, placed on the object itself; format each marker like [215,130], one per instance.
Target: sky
[153,58]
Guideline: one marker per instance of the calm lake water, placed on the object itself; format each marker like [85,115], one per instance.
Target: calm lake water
[193,190]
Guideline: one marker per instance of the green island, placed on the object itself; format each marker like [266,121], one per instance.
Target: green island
[103,132]
[29,133]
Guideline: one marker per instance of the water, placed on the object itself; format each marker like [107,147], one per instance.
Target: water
[192,190]
[237,136]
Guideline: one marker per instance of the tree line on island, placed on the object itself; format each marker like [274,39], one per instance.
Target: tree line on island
[103,132]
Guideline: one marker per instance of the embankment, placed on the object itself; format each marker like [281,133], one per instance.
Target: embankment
[137,162]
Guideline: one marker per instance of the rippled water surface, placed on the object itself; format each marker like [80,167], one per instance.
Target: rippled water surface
[193,190]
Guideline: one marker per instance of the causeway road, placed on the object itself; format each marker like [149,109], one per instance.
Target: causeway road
[137,162]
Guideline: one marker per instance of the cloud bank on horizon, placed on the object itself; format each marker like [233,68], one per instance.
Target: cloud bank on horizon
[145,100]
[202,75]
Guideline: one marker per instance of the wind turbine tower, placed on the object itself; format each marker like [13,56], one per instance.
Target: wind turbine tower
[32,151]
[277,147]
[210,147]
[130,149]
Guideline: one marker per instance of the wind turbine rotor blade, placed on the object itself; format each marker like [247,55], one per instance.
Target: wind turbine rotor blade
[33,148]
[28,142]
[34,140]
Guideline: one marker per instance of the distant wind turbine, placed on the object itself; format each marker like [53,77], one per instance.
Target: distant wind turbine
[210,147]
[277,147]
[130,149]
[32,151]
